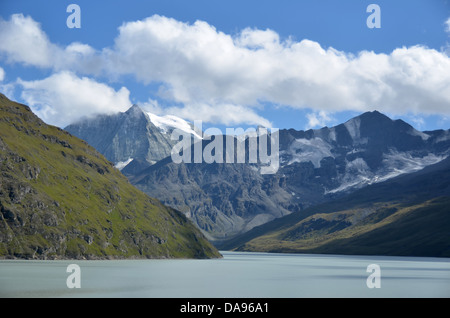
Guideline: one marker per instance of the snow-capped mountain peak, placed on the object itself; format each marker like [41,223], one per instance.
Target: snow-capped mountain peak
[365,149]
[168,123]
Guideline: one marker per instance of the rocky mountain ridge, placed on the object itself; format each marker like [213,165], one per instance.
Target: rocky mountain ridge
[316,166]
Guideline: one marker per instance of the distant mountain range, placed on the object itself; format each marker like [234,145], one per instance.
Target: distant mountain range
[407,215]
[228,200]
[62,199]
[371,185]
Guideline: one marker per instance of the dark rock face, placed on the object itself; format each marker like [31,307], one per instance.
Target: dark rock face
[124,136]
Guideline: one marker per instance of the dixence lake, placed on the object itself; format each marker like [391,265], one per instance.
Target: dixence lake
[237,274]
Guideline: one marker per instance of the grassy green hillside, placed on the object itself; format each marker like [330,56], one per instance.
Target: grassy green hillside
[388,229]
[59,198]
[408,216]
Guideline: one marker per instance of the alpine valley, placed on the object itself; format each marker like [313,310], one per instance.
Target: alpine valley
[336,190]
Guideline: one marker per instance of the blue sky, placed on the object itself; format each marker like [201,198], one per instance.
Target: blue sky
[288,64]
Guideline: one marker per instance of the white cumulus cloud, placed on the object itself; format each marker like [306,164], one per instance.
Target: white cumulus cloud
[63,98]
[447,25]
[23,41]
[318,119]
[227,114]
[199,64]
[226,78]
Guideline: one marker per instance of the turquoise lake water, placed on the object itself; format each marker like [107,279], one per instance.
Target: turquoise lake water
[236,275]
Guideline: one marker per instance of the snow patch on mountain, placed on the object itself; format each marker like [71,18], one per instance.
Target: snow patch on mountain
[357,166]
[122,164]
[420,134]
[445,136]
[353,128]
[332,134]
[358,174]
[168,123]
[304,150]
[397,163]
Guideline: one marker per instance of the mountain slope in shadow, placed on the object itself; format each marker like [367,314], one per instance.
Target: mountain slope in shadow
[408,215]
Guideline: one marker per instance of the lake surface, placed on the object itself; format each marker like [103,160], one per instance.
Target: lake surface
[237,275]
